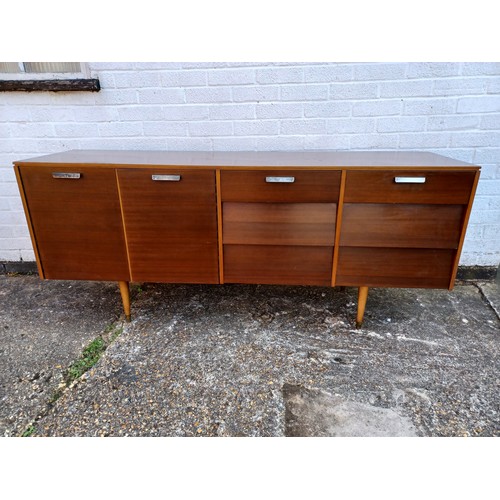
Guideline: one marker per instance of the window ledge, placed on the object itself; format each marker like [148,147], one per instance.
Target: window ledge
[70,84]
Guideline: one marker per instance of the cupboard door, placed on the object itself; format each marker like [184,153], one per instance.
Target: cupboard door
[170,224]
[76,219]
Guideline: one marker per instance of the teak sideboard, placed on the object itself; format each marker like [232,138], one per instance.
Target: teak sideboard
[362,219]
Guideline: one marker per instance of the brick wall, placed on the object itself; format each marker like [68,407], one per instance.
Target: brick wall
[447,108]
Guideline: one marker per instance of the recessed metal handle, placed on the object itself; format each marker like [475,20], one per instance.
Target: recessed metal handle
[66,175]
[171,178]
[280,179]
[409,180]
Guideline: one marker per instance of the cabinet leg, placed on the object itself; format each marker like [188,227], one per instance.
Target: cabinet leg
[125,293]
[362,296]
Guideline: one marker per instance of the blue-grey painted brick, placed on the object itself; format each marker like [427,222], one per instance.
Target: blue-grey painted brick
[303,127]
[122,129]
[245,111]
[487,155]
[327,142]
[137,79]
[98,114]
[76,129]
[481,68]
[374,141]
[341,126]
[207,129]
[279,110]
[401,124]
[252,127]
[114,96]
[424,140]
[481,104]
[329,73]
[184,78]
[208,94]
[53,113]
[410,88]
[459,86]
[234,143]
[364,90]
[280,143]
[432,69]
[377,108]
[18,113]
[432,106]
[161,95]
[256,93]
[188,144]
[379,71]
[138,113]
[231,77]
[475,139]
[452,122]
[313,92]
[280,75]
[186,112]
[165,129]
[327,109]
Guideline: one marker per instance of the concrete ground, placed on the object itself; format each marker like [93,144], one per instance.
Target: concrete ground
[238,360]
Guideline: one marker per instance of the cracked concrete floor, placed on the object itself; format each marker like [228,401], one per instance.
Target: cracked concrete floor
[239,360]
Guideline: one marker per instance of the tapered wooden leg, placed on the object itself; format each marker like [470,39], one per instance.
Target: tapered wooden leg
[124,290]
[362,296]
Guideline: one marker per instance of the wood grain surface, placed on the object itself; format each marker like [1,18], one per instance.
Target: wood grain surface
[379,187]
[171,227]
[77,223]
[251,186]
[405,226]
[310,224]
[398,267]
[280,265]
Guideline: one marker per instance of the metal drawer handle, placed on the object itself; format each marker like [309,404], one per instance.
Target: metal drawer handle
[171,178]
[280,179]
[66,175]
[409,180]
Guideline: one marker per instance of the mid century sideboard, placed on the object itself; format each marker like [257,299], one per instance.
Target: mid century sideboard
[362,219]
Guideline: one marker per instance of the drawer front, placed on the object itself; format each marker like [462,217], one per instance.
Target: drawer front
[395,267]
[403,186]
[309,224]
[407,226]
[76,219]
[289,186]
[170,224]
[276,265]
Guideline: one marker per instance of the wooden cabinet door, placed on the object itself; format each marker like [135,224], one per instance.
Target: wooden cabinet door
[170,219]
[76,220]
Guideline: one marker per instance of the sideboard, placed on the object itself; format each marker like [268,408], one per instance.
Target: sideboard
[361,219]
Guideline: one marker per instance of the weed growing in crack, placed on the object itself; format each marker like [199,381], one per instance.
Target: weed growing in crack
[91,354]
[30,430]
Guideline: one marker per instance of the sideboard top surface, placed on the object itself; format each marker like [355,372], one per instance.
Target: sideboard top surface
[322,159]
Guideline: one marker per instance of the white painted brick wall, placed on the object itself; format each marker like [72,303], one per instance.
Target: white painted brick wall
[447,108]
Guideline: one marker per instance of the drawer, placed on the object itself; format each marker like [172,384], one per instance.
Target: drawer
[309,224]
[395,267]
[279,265]
[289,186]
[399,186]
[410,226]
